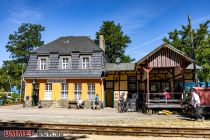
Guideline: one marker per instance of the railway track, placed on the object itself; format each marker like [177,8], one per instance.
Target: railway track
[112,130]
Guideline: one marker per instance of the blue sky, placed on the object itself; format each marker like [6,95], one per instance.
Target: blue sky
[146,22]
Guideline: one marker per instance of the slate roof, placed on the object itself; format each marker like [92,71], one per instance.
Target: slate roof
[120,67]
[68,44]
[72,46]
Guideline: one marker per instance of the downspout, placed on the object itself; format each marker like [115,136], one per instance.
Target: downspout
[102,91]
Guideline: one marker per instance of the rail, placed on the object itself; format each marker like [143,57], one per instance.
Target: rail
[174,97]
[113,130]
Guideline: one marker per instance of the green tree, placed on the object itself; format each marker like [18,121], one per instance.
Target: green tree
[180,39]
[11,72]
[21,42]
[115,40]
[26,39]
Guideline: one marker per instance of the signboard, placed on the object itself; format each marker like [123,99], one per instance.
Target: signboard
[56,80]
[117,94]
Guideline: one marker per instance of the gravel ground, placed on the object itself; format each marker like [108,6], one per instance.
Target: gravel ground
[107,116]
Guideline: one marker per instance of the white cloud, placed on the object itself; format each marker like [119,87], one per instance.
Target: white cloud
[19,12]
[200,19]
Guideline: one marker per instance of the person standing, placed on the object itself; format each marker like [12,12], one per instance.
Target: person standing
[79,103]
[195,102]
[97,102]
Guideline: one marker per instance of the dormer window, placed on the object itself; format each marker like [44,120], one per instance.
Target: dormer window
[85,62]
[65,63]
[43,64]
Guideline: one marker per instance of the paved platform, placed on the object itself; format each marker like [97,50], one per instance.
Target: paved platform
[107,116]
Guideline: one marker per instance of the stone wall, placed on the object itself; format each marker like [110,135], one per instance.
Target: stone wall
[60,103]
[55,103]
[27,103]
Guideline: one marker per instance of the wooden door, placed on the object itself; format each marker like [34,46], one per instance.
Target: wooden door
[109,98]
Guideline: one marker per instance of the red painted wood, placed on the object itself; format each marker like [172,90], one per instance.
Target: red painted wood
[165,58]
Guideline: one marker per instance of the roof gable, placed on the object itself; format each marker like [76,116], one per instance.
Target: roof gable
[165,56]
[69,44]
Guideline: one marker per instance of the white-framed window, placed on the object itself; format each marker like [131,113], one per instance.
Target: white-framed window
[43,64]
[65,63]
[64,91]
[85,62]
[48,91]
[91,91]
[48,87]
[77,91]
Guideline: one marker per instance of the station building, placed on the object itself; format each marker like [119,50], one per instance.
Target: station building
[63,70]
[74,67]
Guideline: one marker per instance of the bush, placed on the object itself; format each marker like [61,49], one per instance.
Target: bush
[8,101]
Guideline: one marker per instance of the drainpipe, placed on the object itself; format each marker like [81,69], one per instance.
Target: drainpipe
[102,91]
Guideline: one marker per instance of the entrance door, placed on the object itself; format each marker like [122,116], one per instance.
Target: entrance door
[48,91]
[109,97]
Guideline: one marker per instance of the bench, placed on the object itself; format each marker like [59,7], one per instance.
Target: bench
[73,104]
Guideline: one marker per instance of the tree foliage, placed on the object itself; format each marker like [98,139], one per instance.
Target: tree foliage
[26,39]
[115,40]
[10,74]
[21,42]
[180,39]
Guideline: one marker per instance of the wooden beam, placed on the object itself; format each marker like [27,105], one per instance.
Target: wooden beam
[173,78]
[147,70]
[183,82]
[171,72]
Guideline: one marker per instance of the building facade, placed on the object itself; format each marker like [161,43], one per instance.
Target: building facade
[70,68]
[165,69]
[65,70]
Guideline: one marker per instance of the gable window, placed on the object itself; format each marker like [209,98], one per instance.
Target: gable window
[43,64]
[85,63]
[91,91]
[77,91]
[64,91]
[65,63]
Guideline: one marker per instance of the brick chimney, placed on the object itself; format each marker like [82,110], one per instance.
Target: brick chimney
[102,42]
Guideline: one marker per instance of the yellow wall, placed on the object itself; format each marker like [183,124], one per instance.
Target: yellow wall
[28,88]
[123,85]
[109,77]
[71,90]
[56,89]
[41,88]
[84,91]
[123,77]
[98,90]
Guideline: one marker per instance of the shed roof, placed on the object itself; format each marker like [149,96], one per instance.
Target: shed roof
[68,44]
[120,67]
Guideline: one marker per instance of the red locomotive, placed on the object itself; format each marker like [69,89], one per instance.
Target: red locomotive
[204,94]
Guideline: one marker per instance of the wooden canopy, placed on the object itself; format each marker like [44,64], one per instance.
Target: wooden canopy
[165,56]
